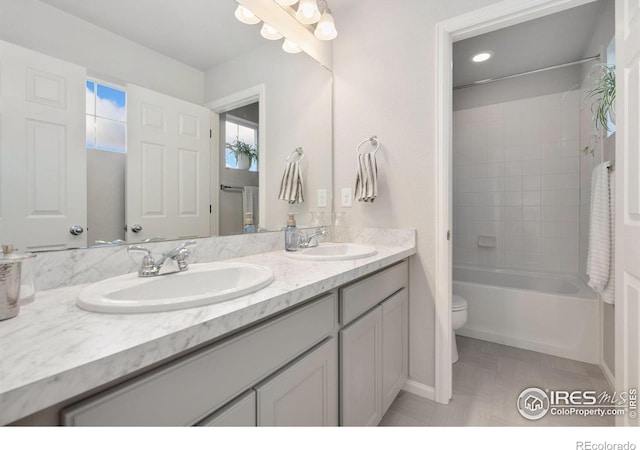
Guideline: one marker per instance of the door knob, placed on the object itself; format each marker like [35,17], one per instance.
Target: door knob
[76,230]
[136,228]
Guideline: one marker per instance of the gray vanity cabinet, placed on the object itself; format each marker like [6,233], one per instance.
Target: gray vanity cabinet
[337,359]
[361,371]
[303,394]
[395,346]
[374,356]
[185,391]
[239,413]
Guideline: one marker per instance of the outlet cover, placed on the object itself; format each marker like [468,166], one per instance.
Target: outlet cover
[347,197]
[322,198]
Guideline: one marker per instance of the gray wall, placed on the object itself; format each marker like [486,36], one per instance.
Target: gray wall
[106,55]
[105,195]
[384,78]
[536,85]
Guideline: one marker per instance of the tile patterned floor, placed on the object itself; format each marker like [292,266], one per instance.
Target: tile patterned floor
[486,383]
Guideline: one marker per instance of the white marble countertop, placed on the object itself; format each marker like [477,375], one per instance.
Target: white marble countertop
[54,351]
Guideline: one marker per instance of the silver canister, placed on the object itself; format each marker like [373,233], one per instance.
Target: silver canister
[10,281]
[9,288]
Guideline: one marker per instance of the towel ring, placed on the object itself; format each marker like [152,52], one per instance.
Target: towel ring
[373,140]
[297,152]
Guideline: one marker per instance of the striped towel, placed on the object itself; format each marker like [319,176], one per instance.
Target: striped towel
[599,256]
[608,295]
[250,195]
[367,179]
[291,187]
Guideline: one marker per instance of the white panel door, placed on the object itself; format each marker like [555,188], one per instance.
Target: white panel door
[43,164]
[628,201]
[168,167]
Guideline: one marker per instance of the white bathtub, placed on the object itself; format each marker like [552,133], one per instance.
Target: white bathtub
[549,313]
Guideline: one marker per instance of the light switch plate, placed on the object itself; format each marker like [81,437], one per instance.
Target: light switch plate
[322,198]
[347,195]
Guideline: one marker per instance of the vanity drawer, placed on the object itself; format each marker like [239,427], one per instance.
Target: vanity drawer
[363,295]
[186,391]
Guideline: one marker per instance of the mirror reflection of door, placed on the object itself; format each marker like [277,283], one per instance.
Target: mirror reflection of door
[168,167]
[42,157]
[239,184]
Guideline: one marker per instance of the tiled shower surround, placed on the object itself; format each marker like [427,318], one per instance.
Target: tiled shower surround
[516,177]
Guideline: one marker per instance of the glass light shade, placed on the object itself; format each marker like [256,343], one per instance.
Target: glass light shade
[287,2]
[308,12]
[245,15]
[326,28]
[268,32]
[290,47]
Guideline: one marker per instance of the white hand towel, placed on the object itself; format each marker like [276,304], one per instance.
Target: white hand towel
[250,195]
[608,295]
[291,186]
[599,256]
[367,178]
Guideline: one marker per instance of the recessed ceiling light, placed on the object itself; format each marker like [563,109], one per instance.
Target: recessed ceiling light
[481,57]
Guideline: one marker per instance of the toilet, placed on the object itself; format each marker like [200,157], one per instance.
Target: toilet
[458,319]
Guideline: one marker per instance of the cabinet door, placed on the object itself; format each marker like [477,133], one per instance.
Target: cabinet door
[240,413]
[395,346]
[303,394]
[361,371]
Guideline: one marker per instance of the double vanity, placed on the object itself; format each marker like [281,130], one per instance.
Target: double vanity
[320,339]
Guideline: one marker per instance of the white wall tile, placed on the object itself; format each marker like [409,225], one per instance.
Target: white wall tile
[532,167]
[531,183]
[518,176]
[512,184]
[531,214]
[531,198]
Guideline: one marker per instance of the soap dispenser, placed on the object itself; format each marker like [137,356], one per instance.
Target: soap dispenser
[291,234]
[249,227]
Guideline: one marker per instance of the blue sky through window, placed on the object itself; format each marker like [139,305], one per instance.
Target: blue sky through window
[106,117]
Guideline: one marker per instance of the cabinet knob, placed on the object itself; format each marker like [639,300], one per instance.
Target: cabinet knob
[136,228]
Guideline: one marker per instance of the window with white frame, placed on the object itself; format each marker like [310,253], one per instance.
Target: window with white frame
[241,130]
[106,117]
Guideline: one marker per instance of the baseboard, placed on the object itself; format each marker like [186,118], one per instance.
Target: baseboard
[608,375]
[421,390]
[527,345]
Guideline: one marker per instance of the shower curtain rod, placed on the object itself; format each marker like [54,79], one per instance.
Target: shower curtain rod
[530,72]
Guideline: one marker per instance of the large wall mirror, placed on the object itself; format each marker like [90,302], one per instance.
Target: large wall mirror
[120,119]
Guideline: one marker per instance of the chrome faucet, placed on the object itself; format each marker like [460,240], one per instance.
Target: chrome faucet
[312,239]
[175,260]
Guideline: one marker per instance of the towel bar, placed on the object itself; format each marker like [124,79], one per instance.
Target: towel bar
[373,140]
[297,152]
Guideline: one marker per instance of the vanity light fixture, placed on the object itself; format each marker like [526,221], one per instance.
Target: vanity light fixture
[270,33]
[290,47]
[326,28]
[481,57]
[308,12]
[245,15]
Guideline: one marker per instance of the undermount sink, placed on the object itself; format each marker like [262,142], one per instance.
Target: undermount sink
[201,284]
[333,252]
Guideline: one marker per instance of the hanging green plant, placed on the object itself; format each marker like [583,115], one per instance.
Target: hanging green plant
[603,96]
[240,149]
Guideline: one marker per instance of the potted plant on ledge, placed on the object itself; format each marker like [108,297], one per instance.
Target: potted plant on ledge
[603,106]
[244,153]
